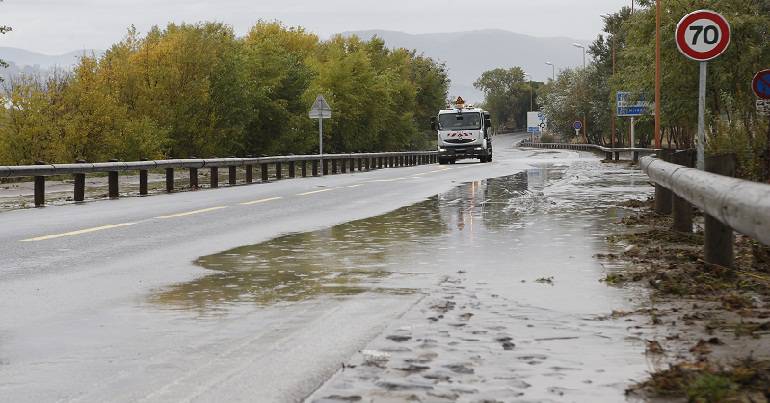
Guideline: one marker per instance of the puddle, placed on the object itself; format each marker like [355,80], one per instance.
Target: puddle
[475,224]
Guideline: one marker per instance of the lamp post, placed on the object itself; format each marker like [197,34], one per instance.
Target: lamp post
[553,70]
[531,107]
[585,124]
[579,46]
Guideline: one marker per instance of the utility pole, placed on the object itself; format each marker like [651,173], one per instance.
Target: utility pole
[657,74]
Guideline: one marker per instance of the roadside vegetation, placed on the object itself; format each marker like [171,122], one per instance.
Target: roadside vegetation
[508,96]
[198,90]
[589,93]
[708,325]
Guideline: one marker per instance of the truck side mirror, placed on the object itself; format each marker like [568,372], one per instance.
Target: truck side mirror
[487,122]
[433,125]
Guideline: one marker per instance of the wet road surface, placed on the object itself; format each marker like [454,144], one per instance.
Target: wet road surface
[174,307]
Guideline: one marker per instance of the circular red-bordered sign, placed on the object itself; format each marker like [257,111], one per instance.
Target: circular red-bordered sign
[703,35]
[761,84]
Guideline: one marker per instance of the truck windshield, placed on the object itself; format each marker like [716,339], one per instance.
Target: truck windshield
[460,121]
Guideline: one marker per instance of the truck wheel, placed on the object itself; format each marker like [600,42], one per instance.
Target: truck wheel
[442,161]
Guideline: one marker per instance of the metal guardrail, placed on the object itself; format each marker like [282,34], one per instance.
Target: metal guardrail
[609,152]
[742,205]
[333,163]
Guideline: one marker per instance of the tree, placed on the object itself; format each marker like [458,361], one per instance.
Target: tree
[3,30]
[506,96]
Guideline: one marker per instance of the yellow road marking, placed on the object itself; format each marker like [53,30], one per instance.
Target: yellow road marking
[78,232]
[314,192]
[261,201]
[188,213]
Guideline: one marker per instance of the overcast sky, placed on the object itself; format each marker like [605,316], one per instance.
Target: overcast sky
[59,26]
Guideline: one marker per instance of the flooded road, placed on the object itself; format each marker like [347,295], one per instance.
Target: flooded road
[513,258]
[488,290]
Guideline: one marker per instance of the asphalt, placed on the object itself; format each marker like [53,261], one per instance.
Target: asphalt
[75,280]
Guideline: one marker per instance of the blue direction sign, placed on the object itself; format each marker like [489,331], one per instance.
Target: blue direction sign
[761,84]
[577,125]
[629,104]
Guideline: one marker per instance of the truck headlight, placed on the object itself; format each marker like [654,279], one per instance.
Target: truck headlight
[442,149]
[479,148]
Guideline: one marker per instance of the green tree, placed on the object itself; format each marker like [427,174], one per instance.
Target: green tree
[506,96]
[3,30]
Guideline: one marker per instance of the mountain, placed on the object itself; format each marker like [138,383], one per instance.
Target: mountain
[468,54]
[24,58]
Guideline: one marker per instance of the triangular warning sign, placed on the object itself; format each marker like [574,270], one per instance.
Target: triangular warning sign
[320,109]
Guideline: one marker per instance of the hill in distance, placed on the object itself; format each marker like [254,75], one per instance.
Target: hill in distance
[468,54]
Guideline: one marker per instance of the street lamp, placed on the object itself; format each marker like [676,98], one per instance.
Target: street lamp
[553,70]
[585,128]
[577,45]
[530,91]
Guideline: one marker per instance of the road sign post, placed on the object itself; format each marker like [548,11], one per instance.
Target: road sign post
[702,36]
[577,126]
[320,110]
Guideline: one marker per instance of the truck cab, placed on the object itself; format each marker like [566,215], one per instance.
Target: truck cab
[463,132]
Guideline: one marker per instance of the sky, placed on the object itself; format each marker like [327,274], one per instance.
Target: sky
[60,26]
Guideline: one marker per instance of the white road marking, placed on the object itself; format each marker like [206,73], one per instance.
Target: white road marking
[355,186]
[261,201]
[189,213]
[78,232]
[314,192]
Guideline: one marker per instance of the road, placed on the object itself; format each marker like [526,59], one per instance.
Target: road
[74,278]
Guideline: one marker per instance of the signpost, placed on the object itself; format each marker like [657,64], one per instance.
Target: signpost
[320,110]
[633,105]
[761,87]
[702,36]
[535,122]
[577,126]
[761,84]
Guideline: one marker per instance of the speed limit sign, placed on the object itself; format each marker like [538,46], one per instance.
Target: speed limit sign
[703,35]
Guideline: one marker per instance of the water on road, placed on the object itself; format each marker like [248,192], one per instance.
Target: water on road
[516,253]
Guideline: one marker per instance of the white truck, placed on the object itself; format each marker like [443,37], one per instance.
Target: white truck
[463,132]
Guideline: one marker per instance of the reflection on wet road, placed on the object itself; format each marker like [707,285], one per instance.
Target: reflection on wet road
[479,224]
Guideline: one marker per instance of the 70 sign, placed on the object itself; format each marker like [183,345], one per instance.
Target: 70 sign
[703,35]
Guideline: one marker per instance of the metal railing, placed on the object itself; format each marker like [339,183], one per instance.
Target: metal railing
[334,163]
[729,203]
[609,152]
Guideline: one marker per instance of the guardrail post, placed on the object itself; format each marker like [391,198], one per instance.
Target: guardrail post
[80,185]
[344,166]
[681,210]
[263,168]
[193,178]
[249,173]
[314,163]
[663,195]
[353,164]
[334,166]
[232,176]
[112,183]
[325,167]
[719,238]
[169,180]
[303,168]
[292,169]
[39,188]
[214,180]
[635,156]
[617,155]
[278,171]
[143,182]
